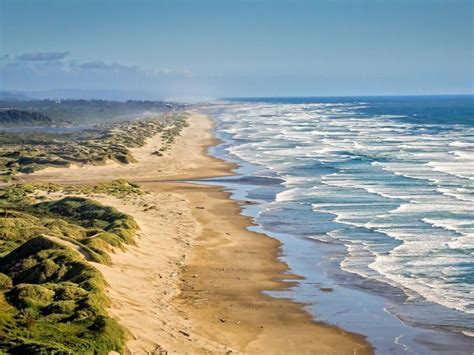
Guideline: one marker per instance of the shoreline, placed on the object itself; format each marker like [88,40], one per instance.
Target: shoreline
[199,286]
[225,293]
[317,260]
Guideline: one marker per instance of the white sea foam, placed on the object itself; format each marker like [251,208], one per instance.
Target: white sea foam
[469,334]
[402,191]
[294,194]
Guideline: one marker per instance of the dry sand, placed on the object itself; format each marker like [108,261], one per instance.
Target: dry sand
[193,283]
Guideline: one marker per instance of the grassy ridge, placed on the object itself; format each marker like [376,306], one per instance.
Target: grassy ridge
[56,303]
[51,299]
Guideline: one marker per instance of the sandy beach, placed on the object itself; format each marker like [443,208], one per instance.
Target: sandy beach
[194,282]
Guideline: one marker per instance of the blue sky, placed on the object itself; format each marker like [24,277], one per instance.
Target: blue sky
[215,48]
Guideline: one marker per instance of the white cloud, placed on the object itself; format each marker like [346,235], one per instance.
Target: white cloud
[103,66]
[169,72]
[42,56]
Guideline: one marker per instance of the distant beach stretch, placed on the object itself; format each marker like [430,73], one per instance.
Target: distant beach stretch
[196,280]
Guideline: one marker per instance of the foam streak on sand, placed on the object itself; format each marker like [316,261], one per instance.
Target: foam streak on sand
[194,282]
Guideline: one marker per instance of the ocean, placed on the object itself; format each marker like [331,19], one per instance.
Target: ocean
[373,201]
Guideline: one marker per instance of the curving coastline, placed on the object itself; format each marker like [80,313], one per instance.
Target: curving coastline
[194,282]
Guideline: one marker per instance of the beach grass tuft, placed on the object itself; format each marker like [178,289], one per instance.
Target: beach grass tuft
[52,300]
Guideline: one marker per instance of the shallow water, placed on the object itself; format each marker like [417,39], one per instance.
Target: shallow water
[376,211]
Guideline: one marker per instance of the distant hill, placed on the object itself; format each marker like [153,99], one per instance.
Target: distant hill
[84,112]
[76,94]
[13,96]
[18,118]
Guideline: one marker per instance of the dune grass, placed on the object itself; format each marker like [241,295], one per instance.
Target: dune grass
[119,188]
[27,152]
[54,303]
[52,300]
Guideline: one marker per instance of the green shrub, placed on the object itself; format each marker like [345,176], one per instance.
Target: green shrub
[62,307]
[58,303]
[68,291]
[5,282]
[105,238]
[29,316]
[30,296]
[51,299]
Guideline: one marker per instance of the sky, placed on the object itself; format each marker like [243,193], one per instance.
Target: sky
[180,49]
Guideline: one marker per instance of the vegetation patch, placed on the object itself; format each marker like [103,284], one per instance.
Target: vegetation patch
[29,151]
[118,188]
[55,304]
[51,299]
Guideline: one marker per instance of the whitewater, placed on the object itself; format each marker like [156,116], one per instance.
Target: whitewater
[396,189]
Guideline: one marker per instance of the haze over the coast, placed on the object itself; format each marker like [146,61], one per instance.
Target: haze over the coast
[188,49]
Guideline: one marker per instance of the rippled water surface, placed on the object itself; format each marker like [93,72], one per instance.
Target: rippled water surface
[390,181]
